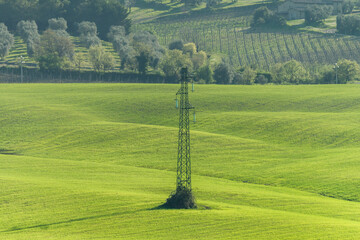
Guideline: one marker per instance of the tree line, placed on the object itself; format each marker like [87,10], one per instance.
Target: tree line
[103,13]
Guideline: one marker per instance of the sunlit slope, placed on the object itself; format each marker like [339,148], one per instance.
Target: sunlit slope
[64,199]
[92,160]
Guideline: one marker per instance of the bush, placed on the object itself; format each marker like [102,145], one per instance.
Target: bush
[183,198]
[264,17]
[177,44]
[317,14]
[6,40]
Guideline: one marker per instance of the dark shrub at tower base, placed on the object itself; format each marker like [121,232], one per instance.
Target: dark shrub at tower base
[183,198]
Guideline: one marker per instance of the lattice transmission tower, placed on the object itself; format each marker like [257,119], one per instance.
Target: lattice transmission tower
[183,180]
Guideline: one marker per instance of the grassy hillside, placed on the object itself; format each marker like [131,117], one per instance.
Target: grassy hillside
[93,161]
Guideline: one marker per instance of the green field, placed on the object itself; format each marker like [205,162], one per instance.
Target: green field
[93,161]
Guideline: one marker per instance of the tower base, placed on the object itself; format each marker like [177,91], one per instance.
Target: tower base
[183,198]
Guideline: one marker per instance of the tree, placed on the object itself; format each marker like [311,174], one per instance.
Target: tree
[53,51]
[189,48]
[13,11]
[100,60]
[291,72]
[121,44]
[6,40]
[199,59]
[223,73]
[348,70]
[348,24]
[205,73]
[191,3]
[265,17]
[144,40]
[317,14]
[248,76]
[58,26]
[104,14]
[261,79]
[88,34]
[177,44]
[347,6]
[172,63]
[116,31]
[51,9]
[143,61]
[28,30]
[212,3]
[78,60]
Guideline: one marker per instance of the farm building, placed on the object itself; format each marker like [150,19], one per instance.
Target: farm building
[295,9]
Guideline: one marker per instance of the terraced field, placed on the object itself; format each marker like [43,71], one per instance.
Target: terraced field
[94,161]
[19,49]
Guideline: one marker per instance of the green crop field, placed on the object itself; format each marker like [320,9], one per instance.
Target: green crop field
[94,161]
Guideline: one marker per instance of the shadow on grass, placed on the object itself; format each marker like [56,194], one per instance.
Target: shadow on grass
[152,4]
[47,225]
[166,207]
[8,152]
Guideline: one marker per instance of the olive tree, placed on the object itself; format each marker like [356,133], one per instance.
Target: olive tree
[145,41]
[58,26]
[101,60]
[172,63]
[6,40]
[28,31]
[53,51]
[122,45]
[88,34]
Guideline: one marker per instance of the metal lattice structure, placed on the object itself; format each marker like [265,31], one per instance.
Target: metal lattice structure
[183,180]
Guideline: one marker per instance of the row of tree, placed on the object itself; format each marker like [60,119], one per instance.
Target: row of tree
[291,72]
[313,15]
[103,13]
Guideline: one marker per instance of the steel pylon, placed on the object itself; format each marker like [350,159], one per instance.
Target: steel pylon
[183,180]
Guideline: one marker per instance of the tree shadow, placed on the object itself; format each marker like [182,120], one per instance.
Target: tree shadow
[8,152]
[152,4]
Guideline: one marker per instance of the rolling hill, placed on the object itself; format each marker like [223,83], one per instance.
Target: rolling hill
[94,161]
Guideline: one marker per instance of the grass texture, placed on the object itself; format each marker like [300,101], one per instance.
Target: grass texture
[94,161]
